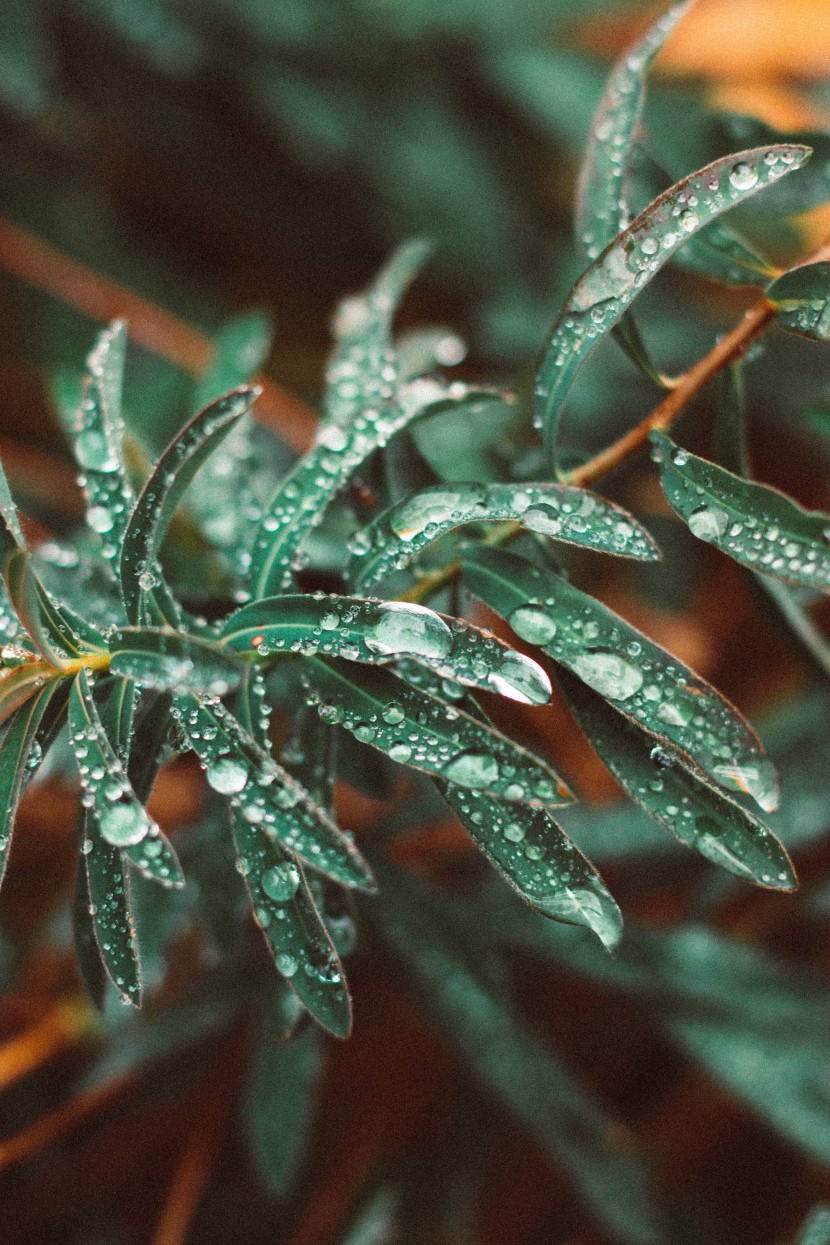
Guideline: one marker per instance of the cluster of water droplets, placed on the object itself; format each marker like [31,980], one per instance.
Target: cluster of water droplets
[734,515]
[110,910]
[415,728]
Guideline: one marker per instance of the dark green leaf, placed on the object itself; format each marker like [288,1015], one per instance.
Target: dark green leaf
[802,301]
[816,1227]
[373,631]
[109,897]
[87,951]
[398,536]
[611,284]
[169,660]
[292,926]
[417,729]
[19,756]
[646,683]
[162,493]
[752,523]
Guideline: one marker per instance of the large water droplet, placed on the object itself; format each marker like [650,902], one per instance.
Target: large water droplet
[281,883]
[743,176]
[472,769]
[758,779]
[419,512]
[123,824]
[708,523]
[531,623]
[413,629]
[93,452]
[609,674]
[520,679]
[227,775]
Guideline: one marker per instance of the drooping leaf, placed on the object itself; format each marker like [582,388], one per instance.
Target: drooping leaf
[112,915]
[168,660]
[19,756]
[161,495]
[87,950]
[523,1072]
[676,796]
[280,1096]
[265,794]
[296,936]
[641,679]
[98,442]
[417,729]
[396,537]
[373,631]
[802,300]
[611,284]
[302,499]
[752,523]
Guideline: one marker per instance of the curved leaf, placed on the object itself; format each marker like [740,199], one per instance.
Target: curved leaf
[379,631]
[292,926]
[396,537]
[111,911]
[168,660]
[417,729]
[162,493]
[646,683]
[802,301]
[753,523]
[611,284]
[20,683]
[19,756]
[265,795]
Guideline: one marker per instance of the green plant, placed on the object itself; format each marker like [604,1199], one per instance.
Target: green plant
[176,621]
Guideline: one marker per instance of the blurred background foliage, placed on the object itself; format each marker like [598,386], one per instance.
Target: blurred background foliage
[184,161]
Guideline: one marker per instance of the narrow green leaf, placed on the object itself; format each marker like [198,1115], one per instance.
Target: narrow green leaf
[240,348]
[293,929]
[19,756]
[168,660]
[646,683]
[45,622]
[306,492]
[753,523]
[19,683]
[162,493]
[791,197]
[265,795]
[677,798]
[417,729]
[120,817]
[396,537]
[378,632]
[87,951]
[98,442]
[539,861]
[279,1098]
[802,301]
[816,1227]
[611,284]
[515,1065]
[112,915]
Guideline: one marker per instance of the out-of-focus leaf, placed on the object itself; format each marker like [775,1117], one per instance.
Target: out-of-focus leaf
[802,300]
[265,795]
[816,1227]
[419,730]
[293,929]
[19,756]
[752,523]
[611,284]
[303,497]
[171,661]
[377,632]
[151,515]
[676,797]
[279,1097]
[516,1066]
[646,683]
[239,350]
[398,536]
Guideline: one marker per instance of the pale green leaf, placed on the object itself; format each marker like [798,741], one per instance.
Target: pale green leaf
[816,1227]
[168,660]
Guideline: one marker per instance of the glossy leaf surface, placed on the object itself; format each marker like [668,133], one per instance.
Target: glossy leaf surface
[170,660]
[802,301]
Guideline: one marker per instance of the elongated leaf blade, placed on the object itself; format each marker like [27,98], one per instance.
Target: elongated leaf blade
[396,537]
[87,950]
[611,284]
[112,915]
[167,660]
[754,524]
[641,679]
[292,927]
[164,490]
[816,1228]
[516,1066]
[802,301]
[302,499]
[677,798]
[20,683]
[265,795]
[378,632]
[18,758]
[417,729]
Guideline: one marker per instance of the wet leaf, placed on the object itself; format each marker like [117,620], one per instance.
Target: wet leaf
[752,523]
[677,797]
[417,729]
[802,300]
[140,573]
[19,683]
[20,755]
[169,660]
[377,632]
[291,925]
[398,536]
[642,680]
[611,284]
[112,915]
[265,795]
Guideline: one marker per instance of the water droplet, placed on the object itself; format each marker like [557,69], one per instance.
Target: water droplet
[393,714]
[708,523]
[93,453]
[100,519]
[227,775]
[123,824]
[743,176]
[519,678]
[414,629]
[472,769]
[609,674]
[286,964]
[281,883]
[533,624]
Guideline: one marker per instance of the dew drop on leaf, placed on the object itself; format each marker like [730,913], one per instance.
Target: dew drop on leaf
[472,769]
[403,628]
[708,523]
[609,674]
[281,883]
[532,624]
[123,825]
[227,775]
